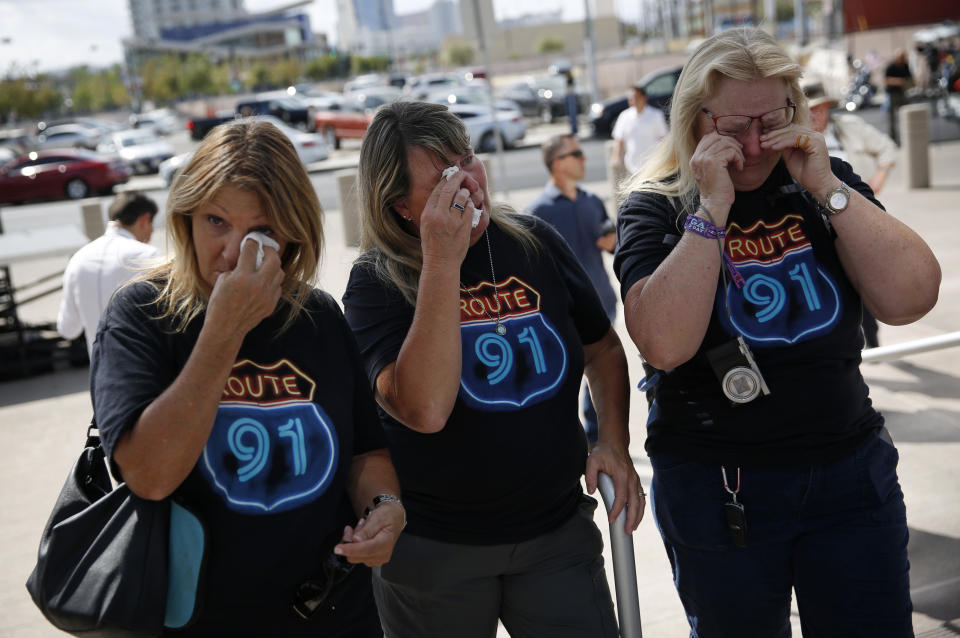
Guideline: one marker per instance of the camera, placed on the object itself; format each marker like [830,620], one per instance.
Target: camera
[740,377]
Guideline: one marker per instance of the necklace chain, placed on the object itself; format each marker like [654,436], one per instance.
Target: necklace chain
[501,329]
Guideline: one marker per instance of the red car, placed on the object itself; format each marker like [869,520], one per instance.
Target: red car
[59,173]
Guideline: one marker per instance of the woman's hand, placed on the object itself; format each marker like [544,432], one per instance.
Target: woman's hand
[805,153]
[444,229]
[712,160]
[372,541]
[246,295]
[616,462]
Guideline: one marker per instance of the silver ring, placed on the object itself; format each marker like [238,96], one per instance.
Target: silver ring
[459,207]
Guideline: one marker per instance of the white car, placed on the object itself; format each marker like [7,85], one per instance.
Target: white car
[311,147]
[470,94]
[163,122]
[140,149]
[68,136]
[479,125]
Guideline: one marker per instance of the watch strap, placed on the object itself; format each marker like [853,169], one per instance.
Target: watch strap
[843,189]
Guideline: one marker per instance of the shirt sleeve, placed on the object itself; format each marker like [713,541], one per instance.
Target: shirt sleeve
[132,362]
[69,324]
[367,430]
[618,126]
[587,311]
[379,317]
[646,233]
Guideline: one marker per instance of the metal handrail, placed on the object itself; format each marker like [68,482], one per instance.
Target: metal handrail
[900,350]
[624,565]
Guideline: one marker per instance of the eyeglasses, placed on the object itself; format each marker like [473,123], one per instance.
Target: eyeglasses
[734,125]
[577,153]
[311,594]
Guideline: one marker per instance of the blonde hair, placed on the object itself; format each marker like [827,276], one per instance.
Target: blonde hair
[747,54]
[256,157]
[383,177]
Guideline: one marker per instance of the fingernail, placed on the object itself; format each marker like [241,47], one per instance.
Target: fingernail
[337,550]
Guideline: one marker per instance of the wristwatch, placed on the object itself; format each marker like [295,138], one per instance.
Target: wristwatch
[380,499]
[837,200]
[385,498]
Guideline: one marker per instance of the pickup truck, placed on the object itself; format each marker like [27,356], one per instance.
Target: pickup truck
[200,126]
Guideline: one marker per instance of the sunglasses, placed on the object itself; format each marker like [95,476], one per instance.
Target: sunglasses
[312,593]
[577,153]
[734,125]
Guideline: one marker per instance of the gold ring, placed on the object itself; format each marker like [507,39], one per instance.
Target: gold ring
[797,144]
[806,139]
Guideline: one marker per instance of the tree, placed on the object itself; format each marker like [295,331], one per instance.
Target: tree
[322,68]
[286,72]
[372,64]
[550,44]
[460,54]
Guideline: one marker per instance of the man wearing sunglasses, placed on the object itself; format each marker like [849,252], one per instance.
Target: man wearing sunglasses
[580,217]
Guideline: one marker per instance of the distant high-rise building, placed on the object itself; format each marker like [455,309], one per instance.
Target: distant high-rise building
[221,29]
[151,17]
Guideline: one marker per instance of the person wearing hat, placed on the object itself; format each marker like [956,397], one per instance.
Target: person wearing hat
[868,150]
[637,131]
[871,152]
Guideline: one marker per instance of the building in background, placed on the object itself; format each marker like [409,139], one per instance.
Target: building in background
[372,27]
[221,29]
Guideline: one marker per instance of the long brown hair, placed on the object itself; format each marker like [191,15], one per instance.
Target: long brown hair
[257,157]
[384,177]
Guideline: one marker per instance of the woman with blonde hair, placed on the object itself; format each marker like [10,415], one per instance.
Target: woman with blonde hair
[224,380]
[745,254]
[476,326]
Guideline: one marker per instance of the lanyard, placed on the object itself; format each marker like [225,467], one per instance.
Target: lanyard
[726,484]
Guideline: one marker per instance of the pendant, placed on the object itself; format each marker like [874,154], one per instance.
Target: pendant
[501,329]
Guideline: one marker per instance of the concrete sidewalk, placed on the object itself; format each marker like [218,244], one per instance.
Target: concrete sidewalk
[43,420]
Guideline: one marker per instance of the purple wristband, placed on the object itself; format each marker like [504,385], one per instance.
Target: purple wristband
[702,227]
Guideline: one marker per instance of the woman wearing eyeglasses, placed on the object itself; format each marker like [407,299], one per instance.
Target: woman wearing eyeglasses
[745,256]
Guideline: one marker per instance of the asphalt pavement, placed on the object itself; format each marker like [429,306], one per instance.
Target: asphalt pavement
[43,421]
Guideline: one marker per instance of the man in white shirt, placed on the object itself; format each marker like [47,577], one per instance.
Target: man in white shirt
[637,131]
[99,268]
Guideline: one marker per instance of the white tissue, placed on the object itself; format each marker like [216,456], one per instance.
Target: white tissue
[450,171]
[477,212]
[261,240]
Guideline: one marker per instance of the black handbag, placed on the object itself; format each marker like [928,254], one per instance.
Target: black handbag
[105,556]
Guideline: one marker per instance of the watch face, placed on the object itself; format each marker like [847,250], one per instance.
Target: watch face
[838,200]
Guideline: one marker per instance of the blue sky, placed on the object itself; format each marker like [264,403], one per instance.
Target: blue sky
[52,34]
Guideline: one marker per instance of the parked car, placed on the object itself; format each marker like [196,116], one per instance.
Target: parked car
[311,147]
[350,118]
[476,117]
[470,94]
[291,109]
[659,86]
[200,126]
[161,121]
[68,136]
[141,150]
[544,97]
[419,86]
[56,174]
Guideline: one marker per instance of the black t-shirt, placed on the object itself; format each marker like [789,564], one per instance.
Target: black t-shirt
[798,313]
[507,465]
[270,483]
[897,70]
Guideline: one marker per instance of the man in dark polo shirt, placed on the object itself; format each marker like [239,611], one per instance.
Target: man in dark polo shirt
[580,217]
